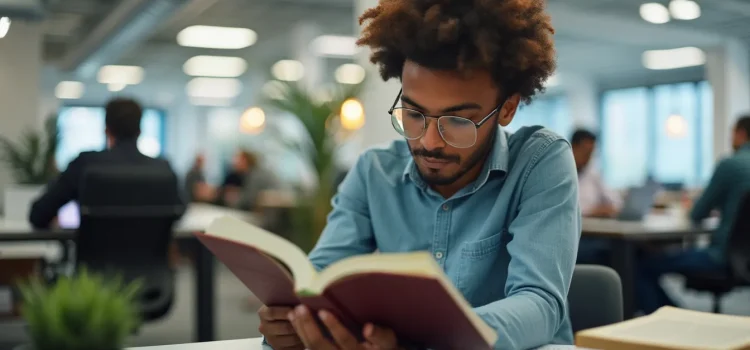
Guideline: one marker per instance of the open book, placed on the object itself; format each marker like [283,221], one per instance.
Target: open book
[671,328]
[407,292]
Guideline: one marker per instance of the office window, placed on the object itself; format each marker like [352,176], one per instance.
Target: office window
[82,129]
[550,112]
[664,131]
[624,135]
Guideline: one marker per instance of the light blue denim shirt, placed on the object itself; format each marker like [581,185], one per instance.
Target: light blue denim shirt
[508,241]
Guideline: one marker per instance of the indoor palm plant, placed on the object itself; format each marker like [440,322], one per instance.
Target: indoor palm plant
[32,159]
[84,312]
[324,134]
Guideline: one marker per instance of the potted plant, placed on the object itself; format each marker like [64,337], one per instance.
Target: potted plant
[31,161]
[324,135]
[83,312]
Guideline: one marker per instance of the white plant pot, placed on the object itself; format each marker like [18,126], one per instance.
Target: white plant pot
[18,199]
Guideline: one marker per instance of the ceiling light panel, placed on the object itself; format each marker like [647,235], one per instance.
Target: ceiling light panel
[217,37]
[685,10]
[673,58]
[215,66]
[69,90]
[288,70]
[334,45]
[120,75]
[4,26]
[654,12]
[350,73]
[213,88]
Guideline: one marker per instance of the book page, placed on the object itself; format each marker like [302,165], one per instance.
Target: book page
[683,329]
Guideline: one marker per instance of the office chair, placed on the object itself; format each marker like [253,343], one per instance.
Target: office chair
[595,297]
[127,216]
[737,273]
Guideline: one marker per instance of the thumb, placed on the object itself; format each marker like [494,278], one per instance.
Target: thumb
[379,337]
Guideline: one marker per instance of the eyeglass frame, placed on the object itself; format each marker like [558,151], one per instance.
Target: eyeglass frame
[477,125]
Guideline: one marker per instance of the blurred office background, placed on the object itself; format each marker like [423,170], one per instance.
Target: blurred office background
[661,84]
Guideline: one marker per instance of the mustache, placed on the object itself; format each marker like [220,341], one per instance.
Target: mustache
[436,153]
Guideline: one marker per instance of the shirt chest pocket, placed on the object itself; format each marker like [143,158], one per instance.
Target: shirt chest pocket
[480,268]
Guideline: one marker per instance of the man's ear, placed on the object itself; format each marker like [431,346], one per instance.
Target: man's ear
[508,110]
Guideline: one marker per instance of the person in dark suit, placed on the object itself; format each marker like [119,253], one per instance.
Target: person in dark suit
[123,126]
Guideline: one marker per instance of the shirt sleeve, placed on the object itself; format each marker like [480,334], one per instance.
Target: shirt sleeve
[542,252]
[349,229]
[714,194]
[58,193]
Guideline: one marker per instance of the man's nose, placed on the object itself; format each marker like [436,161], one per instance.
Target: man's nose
[431,138]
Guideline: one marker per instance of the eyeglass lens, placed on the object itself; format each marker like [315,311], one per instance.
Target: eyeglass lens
[456,131]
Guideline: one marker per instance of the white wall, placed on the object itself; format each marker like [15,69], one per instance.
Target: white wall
[728,71]
[20,66]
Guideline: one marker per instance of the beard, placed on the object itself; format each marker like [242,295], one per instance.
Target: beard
[432,177]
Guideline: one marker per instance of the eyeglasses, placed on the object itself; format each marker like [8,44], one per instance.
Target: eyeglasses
[456,131]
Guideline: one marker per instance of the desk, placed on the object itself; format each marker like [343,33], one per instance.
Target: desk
[255,344]
[196,219]
[626,235]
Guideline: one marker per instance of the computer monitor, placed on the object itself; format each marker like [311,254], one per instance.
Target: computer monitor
[69,216]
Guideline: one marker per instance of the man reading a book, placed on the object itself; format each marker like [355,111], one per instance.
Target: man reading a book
[498,211]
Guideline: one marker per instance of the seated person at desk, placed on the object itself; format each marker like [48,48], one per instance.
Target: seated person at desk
[196,188]
[243,185]
[595,198]
[123,125]
[498,211]
[725,191]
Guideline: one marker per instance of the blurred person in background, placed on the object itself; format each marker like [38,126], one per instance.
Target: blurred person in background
[122,128]
[196,188]
[724,193]
[248,179]
[595,198]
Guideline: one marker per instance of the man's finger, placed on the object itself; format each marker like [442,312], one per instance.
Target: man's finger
[308,330]
[277,328]
[382,338]
[344,339]
[274,313]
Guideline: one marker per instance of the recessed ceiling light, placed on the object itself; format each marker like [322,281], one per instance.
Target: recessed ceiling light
[334,45]
[654,12]
[116,87]
[69,90]
[252,121]
[350,73]
[216,37]
[213,88]
[673,58]
[215,66]
[685,10]
[288,70]
[4,26]
[127,75]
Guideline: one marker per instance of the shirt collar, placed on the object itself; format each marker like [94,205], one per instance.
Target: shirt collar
[497,161]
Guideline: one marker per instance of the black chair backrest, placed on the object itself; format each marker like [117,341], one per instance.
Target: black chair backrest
[738,244]
[595,297]
[127,215]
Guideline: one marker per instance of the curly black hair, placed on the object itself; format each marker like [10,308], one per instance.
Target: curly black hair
[512,39]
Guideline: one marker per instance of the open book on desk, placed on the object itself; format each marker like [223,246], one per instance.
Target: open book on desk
[407,292]
[670,328]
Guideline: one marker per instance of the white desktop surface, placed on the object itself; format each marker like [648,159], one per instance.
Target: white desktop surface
[256,344]
[196,218]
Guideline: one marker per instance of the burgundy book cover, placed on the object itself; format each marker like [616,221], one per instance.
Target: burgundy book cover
[419,310]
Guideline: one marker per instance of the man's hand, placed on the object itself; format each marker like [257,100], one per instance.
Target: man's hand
[276,328]
[376,338]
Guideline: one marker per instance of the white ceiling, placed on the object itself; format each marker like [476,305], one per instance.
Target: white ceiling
[599,38]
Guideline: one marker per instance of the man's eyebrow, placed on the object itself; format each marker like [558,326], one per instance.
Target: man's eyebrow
[456,108]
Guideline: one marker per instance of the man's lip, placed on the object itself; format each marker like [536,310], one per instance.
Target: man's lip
[435,160]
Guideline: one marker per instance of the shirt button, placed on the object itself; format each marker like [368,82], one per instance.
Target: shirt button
[438,255]
[446,207]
